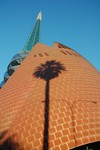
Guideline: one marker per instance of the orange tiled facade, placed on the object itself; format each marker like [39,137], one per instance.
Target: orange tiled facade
[74,102]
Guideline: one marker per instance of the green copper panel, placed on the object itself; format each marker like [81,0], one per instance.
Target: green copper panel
[33,37]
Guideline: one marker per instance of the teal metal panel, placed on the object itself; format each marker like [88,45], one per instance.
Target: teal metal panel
[33,38]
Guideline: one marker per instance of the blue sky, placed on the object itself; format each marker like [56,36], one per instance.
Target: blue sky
[75,23]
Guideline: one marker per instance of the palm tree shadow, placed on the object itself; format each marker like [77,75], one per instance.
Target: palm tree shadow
[49,70]
[8,143]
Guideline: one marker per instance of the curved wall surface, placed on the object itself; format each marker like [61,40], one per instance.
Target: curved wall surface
[52,101]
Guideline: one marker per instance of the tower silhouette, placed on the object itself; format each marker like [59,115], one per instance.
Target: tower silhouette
[51,101]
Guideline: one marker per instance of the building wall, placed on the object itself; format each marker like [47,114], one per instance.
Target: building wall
[74,102]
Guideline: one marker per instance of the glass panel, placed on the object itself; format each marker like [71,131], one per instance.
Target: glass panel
[2,83]
[6,75]
[10,72]
[16,56]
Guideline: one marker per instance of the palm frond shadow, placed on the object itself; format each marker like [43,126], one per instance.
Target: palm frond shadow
[7,144]
[47,71]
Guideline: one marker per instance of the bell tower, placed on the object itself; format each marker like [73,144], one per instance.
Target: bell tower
[33,39]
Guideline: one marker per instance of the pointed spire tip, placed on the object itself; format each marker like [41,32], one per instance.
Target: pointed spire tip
[39,16]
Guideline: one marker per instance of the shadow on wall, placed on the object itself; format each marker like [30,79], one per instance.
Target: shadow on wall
[7,143]
[91,146]
[47,71]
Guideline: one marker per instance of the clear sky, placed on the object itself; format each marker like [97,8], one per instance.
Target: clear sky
[75,23]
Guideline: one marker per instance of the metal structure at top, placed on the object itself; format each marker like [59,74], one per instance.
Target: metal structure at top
[34,36]
[33,39]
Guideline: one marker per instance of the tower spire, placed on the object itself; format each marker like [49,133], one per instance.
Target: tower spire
[34,36]
[33,39]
